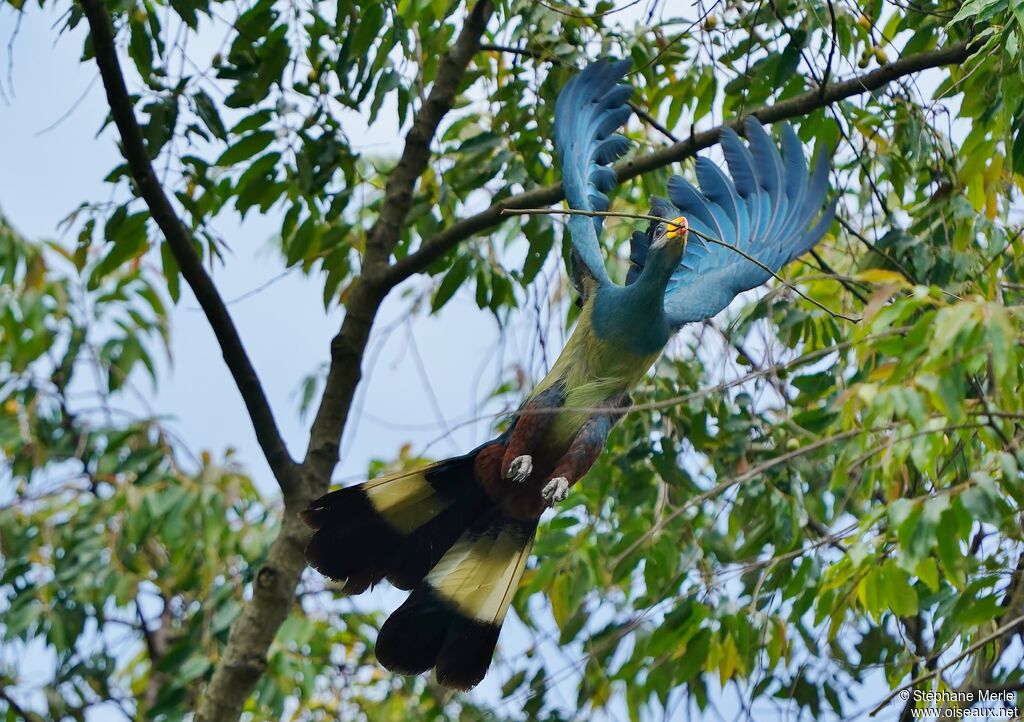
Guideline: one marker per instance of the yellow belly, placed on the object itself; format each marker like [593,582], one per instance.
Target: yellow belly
[592,370]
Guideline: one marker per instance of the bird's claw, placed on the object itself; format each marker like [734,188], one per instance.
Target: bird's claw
[556,490]
[520,469]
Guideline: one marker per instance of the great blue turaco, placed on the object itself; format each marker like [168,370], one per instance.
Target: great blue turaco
[458,533]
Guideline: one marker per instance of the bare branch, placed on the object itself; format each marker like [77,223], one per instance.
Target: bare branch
[709,239]
[435,247]
[366,293]
[999,632]
[387,230]
[244,659]
[180,241]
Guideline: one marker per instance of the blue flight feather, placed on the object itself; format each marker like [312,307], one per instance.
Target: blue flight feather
[767,160]
[767,208]
[684,196]
[722,193]
[589,109]
[740,161]
[639,245]
[796,183]
[796,165]
[610,148]
[603,178]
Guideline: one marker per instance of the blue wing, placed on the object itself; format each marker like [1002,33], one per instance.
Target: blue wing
[590,108]
[765,210]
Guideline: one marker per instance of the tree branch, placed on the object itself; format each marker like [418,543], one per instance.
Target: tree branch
[435,247]
[273,589]
[181,243]
[387,230]
[156,647]
[974,647]
[273,595]
[980,678]
[368,291]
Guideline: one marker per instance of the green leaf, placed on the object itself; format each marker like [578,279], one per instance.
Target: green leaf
[928,572]
[980,611]
[901,597]
[246,148]
[140,48]
[194,668]
[451,282]
[207,111]
[172,274]
[981,500]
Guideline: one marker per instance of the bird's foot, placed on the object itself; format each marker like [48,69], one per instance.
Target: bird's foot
[556,490]
[520,469]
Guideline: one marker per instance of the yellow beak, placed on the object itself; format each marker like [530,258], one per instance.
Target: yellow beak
[677,229]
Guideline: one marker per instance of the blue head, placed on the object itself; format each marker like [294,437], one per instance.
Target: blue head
[667,240]
[635,314]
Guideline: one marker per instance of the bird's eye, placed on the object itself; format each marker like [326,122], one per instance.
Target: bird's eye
[660,232]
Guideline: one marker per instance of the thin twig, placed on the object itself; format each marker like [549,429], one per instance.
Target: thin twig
[541,57]
[693,395]
[583,16]
[724,486]
[845,280]
[17,709]
[992,636]
[658,219]
[74,106]
[832,48]
[756,471]
[875,249]
[679,36]
[435,247]
[180,241]
[652,121]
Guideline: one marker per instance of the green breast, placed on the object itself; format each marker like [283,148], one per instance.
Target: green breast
[593,368]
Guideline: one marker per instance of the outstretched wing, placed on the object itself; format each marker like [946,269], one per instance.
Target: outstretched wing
[765,210]
[590,108]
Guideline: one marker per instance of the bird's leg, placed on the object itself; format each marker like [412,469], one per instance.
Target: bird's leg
[517,463]
[584,450]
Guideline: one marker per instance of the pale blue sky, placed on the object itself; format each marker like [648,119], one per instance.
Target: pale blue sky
[47,168]
[46,172]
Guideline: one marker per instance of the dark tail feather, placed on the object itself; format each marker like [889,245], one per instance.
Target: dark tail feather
[452,619]
[396,527]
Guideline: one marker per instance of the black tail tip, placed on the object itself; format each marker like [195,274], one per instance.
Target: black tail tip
[351,542]
[464,660]
[427,632]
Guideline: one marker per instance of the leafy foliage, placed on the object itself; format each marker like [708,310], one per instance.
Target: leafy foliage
[799,510]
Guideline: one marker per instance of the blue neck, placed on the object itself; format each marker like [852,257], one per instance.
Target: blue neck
[634,316]
[661,262]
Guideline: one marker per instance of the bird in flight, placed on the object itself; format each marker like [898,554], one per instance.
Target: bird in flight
[458,532]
